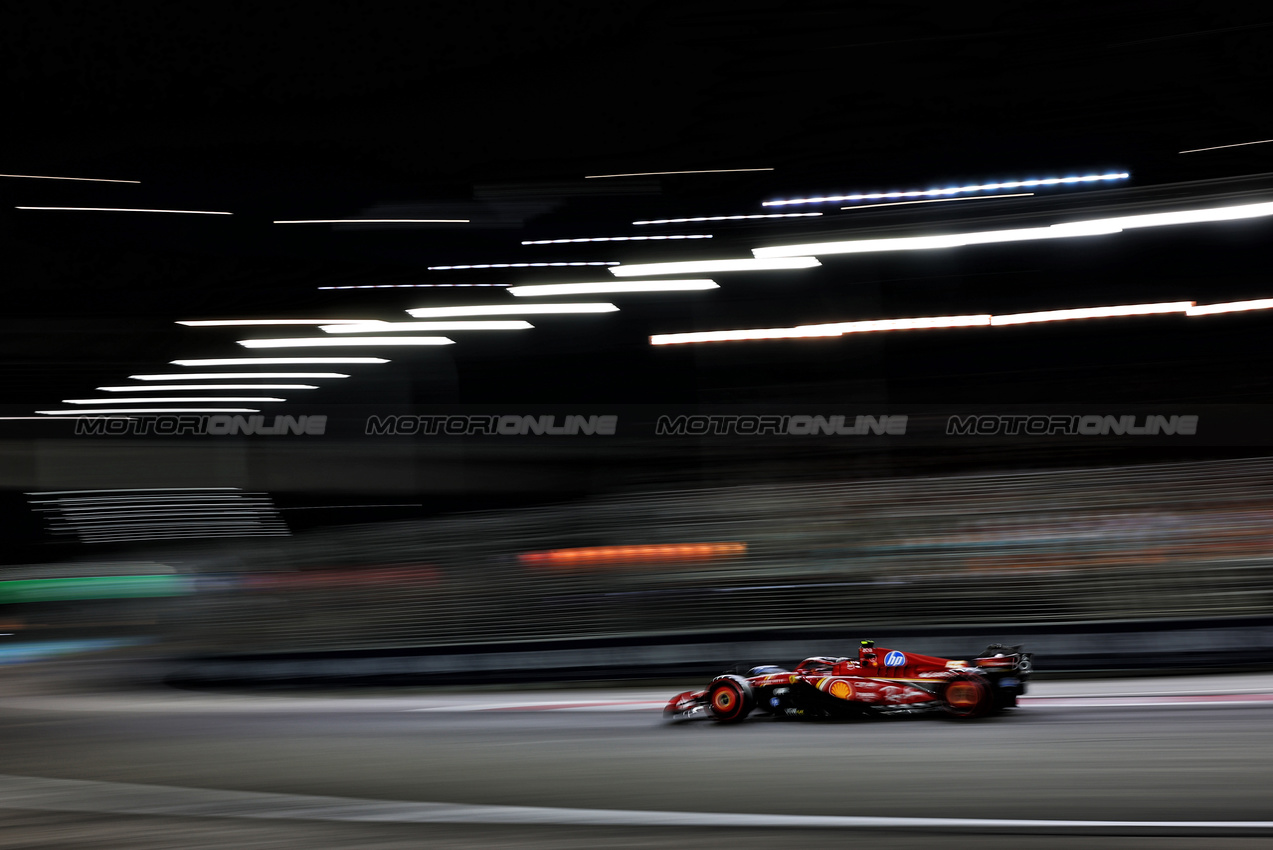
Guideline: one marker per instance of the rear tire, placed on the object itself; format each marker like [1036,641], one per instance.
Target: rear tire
[729,701]
[967,696]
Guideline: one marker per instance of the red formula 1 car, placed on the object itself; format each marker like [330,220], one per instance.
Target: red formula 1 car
[878,681]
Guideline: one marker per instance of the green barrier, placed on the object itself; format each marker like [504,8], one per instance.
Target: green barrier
[93,587]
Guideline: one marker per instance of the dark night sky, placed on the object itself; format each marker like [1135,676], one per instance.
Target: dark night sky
[498,110]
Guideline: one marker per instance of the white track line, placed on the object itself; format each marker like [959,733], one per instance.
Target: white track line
[73,795]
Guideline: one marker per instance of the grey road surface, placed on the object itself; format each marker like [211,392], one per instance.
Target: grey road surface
[1149,764]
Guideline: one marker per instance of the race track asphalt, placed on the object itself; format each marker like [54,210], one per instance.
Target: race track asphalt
[1063,759]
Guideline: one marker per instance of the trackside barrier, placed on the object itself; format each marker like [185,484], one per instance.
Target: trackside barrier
[1198,646]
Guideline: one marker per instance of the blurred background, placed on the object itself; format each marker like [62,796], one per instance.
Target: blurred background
[1059,559]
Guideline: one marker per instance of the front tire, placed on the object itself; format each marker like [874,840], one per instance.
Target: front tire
[729,700]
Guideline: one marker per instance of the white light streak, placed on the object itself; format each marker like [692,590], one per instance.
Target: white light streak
[952,190]
[1218,147]
[1194,216]
[939,201]
[107,513]
[168,400]
[82,179]
[608,286]
[709,266]
[1091,313]
[824,330]
[660,173]
[274,361]
[130,501]
[234,376]
[407,285]
[159,521]
[125,209]
[131,490]
[230,323]
[120,538]
[129,510]
[978,320]
[741,335]
[1089,227]
[108,531]
[390,327]
[727,218]
[1230,307]
[616,239]
[871,325]
[374,221]
[131,513]
[112,412]
[520,265]
[155,388]
[510,310]
[170,523]
[321,342]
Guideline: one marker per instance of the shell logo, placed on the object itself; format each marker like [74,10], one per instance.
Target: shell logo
[841,690]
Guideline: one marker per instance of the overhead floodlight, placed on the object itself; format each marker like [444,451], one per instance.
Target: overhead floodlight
[125,209]
[374,221]
[232,376]
[727,218]
[1091,313]
[230,323]
[168,400]
[1086,227]
[156,388]
[143,410]
[392,327]
[616,239]
[1230,307]
[952,190]
[274,361]
[660,173]
[510,310]
[321,342]
[521,265]
[610,286]
[709,266]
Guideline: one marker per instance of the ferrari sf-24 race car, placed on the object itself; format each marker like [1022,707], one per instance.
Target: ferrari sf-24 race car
[878,681]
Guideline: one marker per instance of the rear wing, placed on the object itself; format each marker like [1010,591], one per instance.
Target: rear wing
[1000,657]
